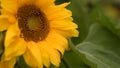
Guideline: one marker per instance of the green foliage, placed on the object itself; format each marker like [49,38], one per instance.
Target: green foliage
[98,45]
[101,47]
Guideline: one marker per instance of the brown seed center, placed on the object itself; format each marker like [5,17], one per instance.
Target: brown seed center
[33,23]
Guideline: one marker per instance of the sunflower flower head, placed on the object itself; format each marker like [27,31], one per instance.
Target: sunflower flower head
[37,30]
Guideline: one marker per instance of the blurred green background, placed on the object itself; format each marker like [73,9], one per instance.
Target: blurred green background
[98,44]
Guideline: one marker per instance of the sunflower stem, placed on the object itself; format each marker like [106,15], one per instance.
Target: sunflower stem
[73,48]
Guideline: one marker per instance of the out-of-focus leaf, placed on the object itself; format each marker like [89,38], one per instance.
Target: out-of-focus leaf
[61,1]
[111,24]
[98,15]
[21,63]
[73,60]
[2,36]
[101,47]
[1,40]
[80,15]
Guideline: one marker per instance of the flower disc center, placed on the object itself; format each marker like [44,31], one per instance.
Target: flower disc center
[33,23]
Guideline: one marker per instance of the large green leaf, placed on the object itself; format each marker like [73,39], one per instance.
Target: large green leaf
[101,47]
[73,60]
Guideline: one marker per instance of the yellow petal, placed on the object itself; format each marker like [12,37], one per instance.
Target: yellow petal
[55,58]
[53,53]
[15,48]
[68,33]
[44,54]
[60,43]
[63,25]
[56,46]
[12,33]
[11,17]
[8,64]
[57,39]
[45,57]
[4,23]
[43,4]
[32,55]
[24,2]
[10,5]
[58,12]
[14,45]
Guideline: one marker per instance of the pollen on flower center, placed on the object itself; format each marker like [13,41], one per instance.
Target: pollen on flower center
[33,23]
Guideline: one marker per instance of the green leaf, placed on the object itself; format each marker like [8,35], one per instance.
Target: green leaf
[111,24]
[61,1]
[101,47]
[2,37]
[80,15]
[98,15]
[21,63]
[72,59]
[1,41]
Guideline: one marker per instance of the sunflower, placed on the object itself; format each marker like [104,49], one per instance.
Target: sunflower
[37,30]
